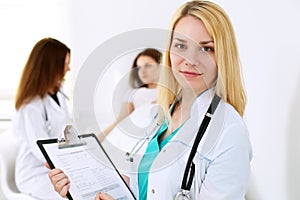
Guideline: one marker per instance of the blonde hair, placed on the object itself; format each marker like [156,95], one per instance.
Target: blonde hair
[229,85]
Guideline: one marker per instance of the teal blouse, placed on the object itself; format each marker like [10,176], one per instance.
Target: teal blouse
[153,148]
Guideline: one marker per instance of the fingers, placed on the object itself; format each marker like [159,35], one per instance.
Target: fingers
[64,190]
[47,165]
[59,181]
[126,179]
[103,196]
[98,196]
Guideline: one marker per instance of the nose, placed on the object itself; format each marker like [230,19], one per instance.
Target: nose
[67,68]
[191,60]
[142,69]
[191,63]
[192,57]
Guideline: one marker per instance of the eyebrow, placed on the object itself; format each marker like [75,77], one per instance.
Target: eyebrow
[206,42]
[180,40]
[201,43]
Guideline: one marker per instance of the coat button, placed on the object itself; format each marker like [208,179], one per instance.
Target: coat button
[153,191]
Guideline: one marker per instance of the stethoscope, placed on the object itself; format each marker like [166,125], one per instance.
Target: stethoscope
[157,121]
[48,126]
[189,172]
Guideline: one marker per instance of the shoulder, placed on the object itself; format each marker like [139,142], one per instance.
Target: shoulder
[29,111]
[148,93]
[140,90]
[232,133]
[34,106]
[234,125]
[143,92]
[35,103]
[146,90]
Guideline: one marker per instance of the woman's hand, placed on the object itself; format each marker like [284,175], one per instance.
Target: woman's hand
[126,179]
[103,196]
[59,181]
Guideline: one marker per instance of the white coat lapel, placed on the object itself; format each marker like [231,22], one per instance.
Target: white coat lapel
[183,140]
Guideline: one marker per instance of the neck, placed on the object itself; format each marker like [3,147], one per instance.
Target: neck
[151,85]
[187,100]
[52,92]
[181,111]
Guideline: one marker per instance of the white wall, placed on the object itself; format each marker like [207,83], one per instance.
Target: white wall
[268,38]
[22,24]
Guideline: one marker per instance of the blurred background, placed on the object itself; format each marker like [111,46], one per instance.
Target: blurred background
[268,38]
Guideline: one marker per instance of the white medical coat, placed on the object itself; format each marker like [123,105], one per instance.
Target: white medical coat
[222,164]
[29,126]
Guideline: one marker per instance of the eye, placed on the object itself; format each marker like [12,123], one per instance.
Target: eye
[206,49]
[180,46]
[148,65]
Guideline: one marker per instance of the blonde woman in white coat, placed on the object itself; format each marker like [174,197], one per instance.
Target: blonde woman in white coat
[41,113]
[201,61]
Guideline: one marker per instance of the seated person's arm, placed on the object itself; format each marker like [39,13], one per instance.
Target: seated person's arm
[126,109]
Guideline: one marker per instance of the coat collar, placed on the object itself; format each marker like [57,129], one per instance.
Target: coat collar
[181,143]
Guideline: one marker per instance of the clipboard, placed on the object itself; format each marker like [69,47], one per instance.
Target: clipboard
[87,165]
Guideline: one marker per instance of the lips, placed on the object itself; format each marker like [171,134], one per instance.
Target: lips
[190,74]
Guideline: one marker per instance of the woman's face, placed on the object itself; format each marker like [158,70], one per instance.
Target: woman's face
[148,69]
[60,79]
[192,55]
[67,64]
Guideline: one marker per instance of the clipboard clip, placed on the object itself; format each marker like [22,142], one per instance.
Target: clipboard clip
[71,138]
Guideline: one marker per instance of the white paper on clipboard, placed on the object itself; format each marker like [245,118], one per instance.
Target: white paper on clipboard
[88,167]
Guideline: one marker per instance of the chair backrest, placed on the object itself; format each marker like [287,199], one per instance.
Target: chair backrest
[8,154]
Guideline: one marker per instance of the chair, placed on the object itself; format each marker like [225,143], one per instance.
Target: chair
[7,168]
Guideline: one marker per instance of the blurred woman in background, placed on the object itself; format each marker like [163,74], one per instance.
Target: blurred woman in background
[41,113]
[143,79]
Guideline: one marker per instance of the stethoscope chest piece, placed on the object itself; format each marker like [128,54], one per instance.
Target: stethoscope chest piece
[183,195]
[48,126]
